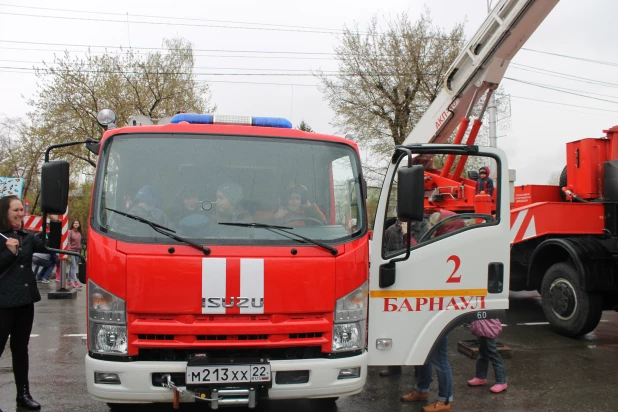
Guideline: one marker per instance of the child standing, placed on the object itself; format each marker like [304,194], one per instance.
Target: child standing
[487,330]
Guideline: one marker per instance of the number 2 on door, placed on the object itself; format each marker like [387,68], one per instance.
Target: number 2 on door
[454,279]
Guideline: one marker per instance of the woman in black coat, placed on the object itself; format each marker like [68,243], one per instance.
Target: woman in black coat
[18,291]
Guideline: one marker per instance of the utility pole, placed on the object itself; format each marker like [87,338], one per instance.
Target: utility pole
[491,112]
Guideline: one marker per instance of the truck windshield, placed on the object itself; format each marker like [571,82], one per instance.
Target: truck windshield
[192,183]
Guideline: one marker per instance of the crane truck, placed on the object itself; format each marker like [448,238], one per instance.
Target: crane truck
[225,304]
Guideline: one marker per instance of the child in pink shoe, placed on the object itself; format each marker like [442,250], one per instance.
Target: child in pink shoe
[487,330]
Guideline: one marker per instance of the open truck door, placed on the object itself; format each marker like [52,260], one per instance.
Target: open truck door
[455,266]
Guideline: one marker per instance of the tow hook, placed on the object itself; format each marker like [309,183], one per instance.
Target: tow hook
[218,397]
[169,384]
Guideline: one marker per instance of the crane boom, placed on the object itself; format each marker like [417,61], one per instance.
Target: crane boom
[480,66]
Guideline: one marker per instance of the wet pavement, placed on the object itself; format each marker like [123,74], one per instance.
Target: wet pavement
[547,372]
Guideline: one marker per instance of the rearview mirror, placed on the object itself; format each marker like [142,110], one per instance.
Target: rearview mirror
[55,186]
[410,193]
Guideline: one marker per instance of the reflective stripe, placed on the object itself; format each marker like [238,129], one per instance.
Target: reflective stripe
[426,293]
[213,282]
[252,284]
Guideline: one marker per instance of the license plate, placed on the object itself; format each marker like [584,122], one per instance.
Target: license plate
[228,374]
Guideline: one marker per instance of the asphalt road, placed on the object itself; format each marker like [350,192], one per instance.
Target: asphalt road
[546,372]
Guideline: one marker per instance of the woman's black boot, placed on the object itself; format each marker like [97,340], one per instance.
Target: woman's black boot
[25,400]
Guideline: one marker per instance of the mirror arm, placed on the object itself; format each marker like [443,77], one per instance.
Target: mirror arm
[55,146]
[49,149]
[407,151]
[65,252]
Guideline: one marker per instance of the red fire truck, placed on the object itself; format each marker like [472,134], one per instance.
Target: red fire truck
[222,267]
[564,237]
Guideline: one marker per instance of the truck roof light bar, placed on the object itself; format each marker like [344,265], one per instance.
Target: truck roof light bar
[195,118]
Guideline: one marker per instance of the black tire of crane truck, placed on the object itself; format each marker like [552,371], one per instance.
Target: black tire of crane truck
[569,310]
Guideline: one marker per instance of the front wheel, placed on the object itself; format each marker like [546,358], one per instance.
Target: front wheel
[570,310]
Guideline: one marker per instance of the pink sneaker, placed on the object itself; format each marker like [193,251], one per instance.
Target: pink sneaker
[498,387]
[78,285]
[69,284]
[477,382]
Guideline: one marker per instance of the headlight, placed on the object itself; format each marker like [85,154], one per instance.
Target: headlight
[352,306]
[350,320]
[107,321]
[105,307]
[348,336]
[108,339]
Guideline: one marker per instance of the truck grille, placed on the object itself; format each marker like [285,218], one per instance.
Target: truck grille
[224,331]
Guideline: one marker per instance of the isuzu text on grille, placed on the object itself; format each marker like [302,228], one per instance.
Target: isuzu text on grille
[239,302]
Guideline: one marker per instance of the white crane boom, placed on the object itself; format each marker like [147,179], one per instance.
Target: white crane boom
[480,66]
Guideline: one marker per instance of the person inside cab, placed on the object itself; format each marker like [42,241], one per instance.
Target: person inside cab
[148,205]
[231,205]
[190,218]
[296,210]
[485,184]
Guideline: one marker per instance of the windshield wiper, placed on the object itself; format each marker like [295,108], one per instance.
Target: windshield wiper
[163,230]
[333,251]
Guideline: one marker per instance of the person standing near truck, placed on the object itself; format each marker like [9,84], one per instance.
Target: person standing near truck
[75,245]
[18,292]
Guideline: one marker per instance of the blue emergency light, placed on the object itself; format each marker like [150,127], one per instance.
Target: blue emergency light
[194,118]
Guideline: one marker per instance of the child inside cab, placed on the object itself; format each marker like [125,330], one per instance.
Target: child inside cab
[296,210]
[485,183]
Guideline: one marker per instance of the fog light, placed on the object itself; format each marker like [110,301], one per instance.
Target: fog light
[106,378]
[384,344]
[349,373]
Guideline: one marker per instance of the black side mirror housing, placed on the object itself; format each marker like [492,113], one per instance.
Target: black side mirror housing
[410,193]
[81,270]
[387,275]
[55,186]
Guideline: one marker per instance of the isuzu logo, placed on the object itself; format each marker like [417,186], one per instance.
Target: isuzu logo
[239,302]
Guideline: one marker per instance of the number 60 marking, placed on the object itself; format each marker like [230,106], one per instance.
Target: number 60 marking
[481,315]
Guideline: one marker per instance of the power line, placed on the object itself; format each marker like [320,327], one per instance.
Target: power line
[174,18]
[164,48]
[315,85]
[564,88]
[565,104]
[30,69]
[195,67]
[170,24]
[167,54]
[561,75]
[558,90]
[606,63]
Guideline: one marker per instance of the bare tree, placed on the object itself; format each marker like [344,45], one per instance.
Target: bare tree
[74,90]
[22,145]
[387,78]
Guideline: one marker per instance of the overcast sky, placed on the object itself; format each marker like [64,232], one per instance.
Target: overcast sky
[233,38]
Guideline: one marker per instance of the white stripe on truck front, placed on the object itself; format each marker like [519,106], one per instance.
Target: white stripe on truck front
[214,280]
[252,284]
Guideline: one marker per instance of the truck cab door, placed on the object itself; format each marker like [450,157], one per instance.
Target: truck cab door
[457,269]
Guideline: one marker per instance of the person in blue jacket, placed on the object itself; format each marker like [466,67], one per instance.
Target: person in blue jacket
[485,183]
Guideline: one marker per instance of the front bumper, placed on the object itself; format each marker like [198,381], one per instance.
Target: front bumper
[136,379]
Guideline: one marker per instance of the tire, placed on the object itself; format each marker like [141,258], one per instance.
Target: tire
[562,182]
[570,311]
